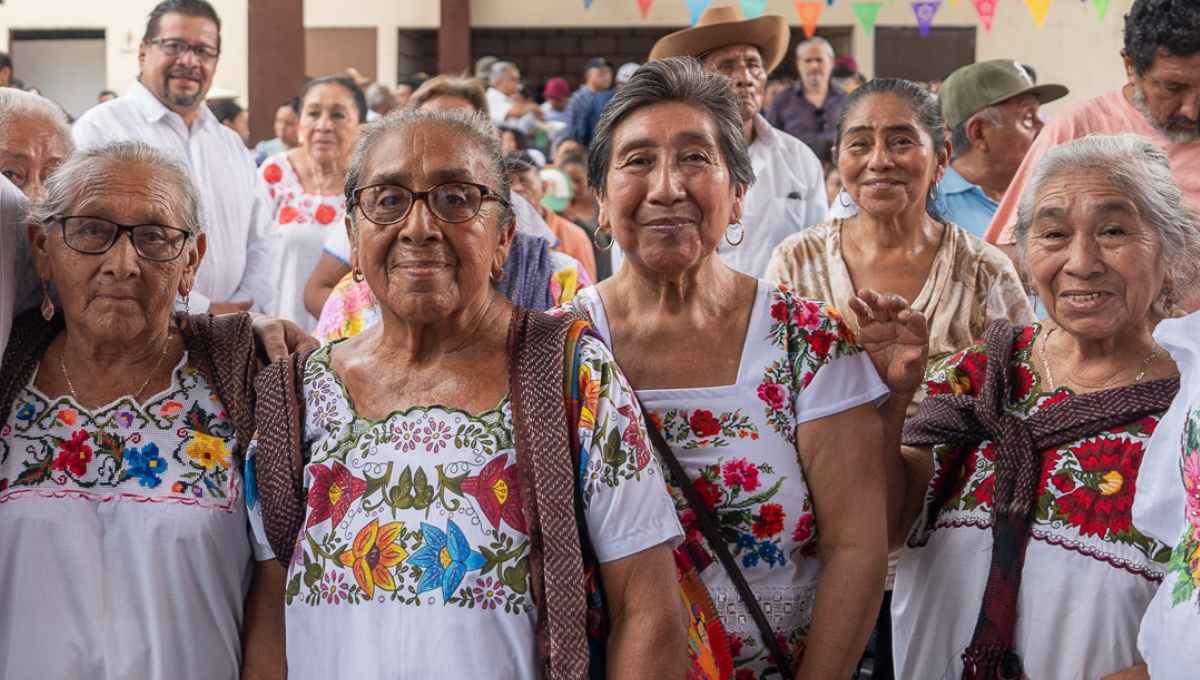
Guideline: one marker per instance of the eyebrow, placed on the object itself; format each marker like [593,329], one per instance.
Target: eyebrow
[437,176]
[684,136]
[890,128]
[13,154]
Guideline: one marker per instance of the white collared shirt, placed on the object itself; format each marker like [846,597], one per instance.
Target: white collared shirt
[243,243]
[18,278]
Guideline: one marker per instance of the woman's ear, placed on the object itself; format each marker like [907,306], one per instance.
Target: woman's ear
[504,246]
[739,198]
[194,256]
[37,246]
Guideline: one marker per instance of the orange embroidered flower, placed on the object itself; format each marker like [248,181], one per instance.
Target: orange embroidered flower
[589,397]
[374,554]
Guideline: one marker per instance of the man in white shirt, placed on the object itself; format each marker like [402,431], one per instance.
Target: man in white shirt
[504,80]
[165,108]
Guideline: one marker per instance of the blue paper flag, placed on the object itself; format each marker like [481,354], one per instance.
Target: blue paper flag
[696,8]
[753,9]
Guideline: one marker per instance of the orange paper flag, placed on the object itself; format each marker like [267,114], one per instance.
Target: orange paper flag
[809,13]
[1038,9]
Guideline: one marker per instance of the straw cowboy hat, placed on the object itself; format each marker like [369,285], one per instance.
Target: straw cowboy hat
[721,26]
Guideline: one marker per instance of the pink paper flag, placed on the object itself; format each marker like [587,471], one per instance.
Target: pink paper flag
[754,9]
[1038,9]
[696,8]
[809,13]
[644,5]
[925,12]
[986,9]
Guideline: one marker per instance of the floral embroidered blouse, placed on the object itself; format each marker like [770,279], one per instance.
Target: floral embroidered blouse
[800,362]
[305,221]
[126,546]
[1167,507]
[413,559]
[1089,571]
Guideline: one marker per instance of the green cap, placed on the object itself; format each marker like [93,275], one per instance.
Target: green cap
[558,189]
[973,88]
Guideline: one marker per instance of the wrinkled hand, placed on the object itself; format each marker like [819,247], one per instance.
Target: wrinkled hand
[896,338]
[277,338]
[230,307]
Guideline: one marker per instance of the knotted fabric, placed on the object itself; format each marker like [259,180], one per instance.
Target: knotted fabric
[964,420]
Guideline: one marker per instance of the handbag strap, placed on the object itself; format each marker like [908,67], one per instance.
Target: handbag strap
[223,348]
[708,526]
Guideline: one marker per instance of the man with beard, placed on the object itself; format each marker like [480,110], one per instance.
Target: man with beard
[1160,101]
[809,109]
[788,193]
[165,108]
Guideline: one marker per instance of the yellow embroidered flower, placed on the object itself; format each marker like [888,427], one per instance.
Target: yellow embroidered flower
[373,556]
[209,451]
[1113,481]
[589,397]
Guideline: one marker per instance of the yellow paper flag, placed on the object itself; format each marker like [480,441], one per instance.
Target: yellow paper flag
[1038,9]
[809,13]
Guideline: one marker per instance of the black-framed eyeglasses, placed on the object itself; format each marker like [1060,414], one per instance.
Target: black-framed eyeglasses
[175,47]
[96,236]
[452,202]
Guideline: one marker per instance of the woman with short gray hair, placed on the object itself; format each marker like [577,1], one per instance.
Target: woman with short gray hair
[1018,475]
[34,137]
[124,427]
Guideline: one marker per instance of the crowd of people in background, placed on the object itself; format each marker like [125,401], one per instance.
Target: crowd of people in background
[682,372]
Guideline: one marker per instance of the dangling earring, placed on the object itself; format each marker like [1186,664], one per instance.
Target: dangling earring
[596,241]
[738,228]
[842,198]
[496,277]
[935,192]
[187,310]
[357,275]
[47,303]
[1169,308]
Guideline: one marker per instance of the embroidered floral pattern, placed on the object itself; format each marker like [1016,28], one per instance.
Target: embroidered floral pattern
[1184,567]
[702,428]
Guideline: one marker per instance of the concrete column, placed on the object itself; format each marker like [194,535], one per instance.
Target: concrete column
[276,60]
[454,37]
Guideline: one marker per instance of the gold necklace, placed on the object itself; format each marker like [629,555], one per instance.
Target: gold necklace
[62,363]
[312,168]
[1050,376]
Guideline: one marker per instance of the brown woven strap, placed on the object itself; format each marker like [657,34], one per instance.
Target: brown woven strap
[28,341]
[542,440]
[279,459]
[223,348]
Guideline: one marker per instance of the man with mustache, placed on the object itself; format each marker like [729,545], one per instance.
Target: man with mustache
[809,109]
[788,193]
[165,108]
[1160,101]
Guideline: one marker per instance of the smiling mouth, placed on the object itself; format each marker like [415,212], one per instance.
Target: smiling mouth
[1086,297]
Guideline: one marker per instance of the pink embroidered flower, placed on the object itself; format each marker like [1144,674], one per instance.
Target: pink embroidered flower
[735,645]
[489,592]
[406,434]
[772,394]
[808,314]
[804,528]
[437,435]
[1191,481]
[169,409]
[739,472]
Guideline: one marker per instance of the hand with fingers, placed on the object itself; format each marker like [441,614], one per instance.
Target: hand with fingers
[895,336]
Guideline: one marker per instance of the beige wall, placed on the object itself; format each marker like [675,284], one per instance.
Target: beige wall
[1073,48]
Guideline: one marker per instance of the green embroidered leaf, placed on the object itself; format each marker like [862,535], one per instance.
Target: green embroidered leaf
[406,482]
[516,577]
[1163,555]
[312,573]
[614,455]
[454,484]
[293,588]
[34,473]
[111,445]
[198,420]
[761,497]
[1182,592]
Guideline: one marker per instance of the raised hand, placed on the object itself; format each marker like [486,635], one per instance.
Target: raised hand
[896,338]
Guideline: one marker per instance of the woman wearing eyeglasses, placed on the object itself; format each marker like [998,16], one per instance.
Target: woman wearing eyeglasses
[413,551]
[122,507]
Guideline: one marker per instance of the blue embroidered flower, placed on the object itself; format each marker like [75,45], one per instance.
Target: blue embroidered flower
[749,560]
[251,475]
[745,542]
[146,465]
[26,413]
[446,558]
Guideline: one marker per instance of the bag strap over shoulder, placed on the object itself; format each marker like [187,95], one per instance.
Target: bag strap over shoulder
[30,338]
[542,440]
[223,347]
[279,459]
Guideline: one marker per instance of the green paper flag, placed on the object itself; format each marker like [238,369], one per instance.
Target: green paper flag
[867,13]
[753,9]
[1101,8]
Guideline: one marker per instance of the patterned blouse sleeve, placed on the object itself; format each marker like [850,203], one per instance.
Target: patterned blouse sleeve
[625,498]
[258,535]
[1006,297]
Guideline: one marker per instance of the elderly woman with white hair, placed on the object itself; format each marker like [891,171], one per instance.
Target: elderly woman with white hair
[123,431]
[1017,477]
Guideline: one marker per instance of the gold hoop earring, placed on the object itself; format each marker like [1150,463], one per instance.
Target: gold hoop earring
[738,228]
[496,277]
[47,303]
[357,276]
[596,240]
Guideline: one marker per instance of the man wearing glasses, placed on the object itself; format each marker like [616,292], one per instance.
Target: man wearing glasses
[165,108]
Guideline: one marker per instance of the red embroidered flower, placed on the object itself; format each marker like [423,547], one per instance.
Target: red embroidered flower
[739,472]
[821,341]
[333,490]
[1103,501]
[272,173]
[1050,459]
[704,424]
[808,314]
[326,214]
[1021,382]
[769,522]
[1144,426]
[804,528]
[1062,482]
[983,492]
[691,525]
[973,369]
[710,493]
[1022,340]
[1059,396]
[744,673]
[779,311]
[74,456]
[735,646]
[498,491]
[772,394]
[287,214]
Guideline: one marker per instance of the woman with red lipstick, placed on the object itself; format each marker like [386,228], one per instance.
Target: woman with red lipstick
[765,398]
[1015,486]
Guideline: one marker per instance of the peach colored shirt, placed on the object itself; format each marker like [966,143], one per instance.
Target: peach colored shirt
[573,240]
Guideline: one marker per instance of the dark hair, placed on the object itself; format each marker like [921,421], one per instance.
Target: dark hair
[226,110]
[5,61]
[292,103]
[1173,25]
[360,100]
[188,8]
[675,79]
[519,138]
[922,103]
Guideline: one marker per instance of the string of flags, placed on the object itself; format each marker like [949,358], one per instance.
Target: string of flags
[867,11]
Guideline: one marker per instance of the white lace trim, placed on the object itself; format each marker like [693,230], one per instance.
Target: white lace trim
[787,608]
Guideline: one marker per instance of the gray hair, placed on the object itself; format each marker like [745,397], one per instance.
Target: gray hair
[76,174]
[815,40]
[498,71]
[472,130]
[377,94]
[16,104]
[675,79]
[1136,168]
[960,140]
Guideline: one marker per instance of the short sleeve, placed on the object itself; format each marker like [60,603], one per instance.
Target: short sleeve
[961,373]
[337,245]
[350,308]
[830,371]
[625,498]
[258,534]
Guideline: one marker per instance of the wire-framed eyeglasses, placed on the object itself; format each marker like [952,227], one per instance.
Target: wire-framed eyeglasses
[96,236]
[452,202]
[175,47]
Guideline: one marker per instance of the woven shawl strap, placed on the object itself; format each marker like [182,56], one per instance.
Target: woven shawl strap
[708,526]
[223,348]
[542,441]
[279,461]
[27,343]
